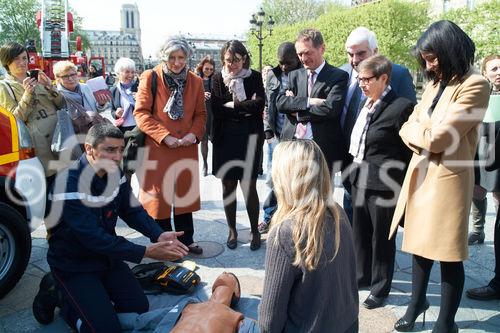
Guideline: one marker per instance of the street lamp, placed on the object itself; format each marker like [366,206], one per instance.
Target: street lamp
[257,22]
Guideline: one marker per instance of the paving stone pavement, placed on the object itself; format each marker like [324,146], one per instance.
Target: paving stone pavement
[210,226]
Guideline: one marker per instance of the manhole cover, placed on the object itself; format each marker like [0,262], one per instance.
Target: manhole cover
[245,236]
[210,250]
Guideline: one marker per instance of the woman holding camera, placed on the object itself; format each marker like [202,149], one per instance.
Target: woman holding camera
[31,98]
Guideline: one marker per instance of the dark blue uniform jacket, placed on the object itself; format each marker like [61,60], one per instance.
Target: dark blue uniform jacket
[84,239]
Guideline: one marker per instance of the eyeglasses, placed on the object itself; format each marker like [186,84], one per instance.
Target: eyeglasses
[235,60]
[365,80]
[69,76]
[208,69]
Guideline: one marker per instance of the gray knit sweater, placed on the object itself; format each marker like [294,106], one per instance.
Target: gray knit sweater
[295,300]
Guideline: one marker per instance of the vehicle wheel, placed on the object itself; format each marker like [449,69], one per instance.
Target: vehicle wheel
[15,247]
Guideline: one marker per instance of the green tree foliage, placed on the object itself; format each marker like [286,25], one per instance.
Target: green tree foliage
[481,24]
[78,31]
[286,12]
[18,22]
[397,25]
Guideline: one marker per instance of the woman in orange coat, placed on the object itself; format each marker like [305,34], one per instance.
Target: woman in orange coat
[175,124]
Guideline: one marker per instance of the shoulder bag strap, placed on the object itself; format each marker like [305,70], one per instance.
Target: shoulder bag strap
[154,86]
[11,91]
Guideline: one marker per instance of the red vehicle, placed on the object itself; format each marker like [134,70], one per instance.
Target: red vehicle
[22,198]
[55,23]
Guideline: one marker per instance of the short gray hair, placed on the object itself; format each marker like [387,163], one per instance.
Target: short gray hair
[175,43]
[123,64]
[378,65]
[63,66]
[360,35]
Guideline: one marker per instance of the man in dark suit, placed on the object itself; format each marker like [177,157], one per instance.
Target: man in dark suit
[314,100]
[361,44]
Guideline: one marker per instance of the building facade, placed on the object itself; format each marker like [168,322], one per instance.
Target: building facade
[112,45]
[437,7]
[208,45]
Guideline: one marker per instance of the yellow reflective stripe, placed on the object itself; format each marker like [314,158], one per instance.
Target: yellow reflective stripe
[9,158]
[13,130]
[15,137]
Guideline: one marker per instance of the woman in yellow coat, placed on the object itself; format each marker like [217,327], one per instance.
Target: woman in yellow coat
[174,125]
[436,194]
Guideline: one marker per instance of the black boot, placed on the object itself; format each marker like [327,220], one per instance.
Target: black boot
[46,300]
[478,219]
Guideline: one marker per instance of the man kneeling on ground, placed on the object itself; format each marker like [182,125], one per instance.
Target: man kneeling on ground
[85,255]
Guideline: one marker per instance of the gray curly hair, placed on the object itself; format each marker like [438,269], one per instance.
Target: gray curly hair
[172,44]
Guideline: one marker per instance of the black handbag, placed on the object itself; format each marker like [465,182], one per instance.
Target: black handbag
[136,138]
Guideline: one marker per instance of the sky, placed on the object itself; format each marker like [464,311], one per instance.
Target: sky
[160,18]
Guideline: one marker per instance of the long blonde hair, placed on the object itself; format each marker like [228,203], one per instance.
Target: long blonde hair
[303,189]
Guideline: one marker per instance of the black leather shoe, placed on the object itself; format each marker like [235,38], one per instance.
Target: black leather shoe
[406,325]
[255,243]
[373,302]
[46,300]
[485,293]
[195,249]
[475,238]
[232,241]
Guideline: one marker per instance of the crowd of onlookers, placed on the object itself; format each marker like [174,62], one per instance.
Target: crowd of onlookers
[402,162]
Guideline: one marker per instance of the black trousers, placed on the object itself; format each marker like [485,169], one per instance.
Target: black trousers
[95,298]
[495,282]
[182,222]
[375,253]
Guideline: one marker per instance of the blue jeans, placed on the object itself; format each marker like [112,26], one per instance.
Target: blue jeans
[270,149]
[270,203]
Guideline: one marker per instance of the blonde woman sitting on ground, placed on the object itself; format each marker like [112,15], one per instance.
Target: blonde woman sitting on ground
[310,283]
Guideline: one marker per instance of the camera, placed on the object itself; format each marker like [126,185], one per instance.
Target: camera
[33,73]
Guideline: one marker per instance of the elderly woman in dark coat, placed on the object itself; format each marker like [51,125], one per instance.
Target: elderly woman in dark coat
[238,135]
